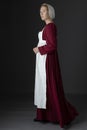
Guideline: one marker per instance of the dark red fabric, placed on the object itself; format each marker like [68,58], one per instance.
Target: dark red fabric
[50,35]
[58,108]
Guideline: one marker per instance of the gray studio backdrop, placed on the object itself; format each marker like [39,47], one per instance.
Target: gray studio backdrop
[20,23]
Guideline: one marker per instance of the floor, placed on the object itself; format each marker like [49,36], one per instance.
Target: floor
[18,111]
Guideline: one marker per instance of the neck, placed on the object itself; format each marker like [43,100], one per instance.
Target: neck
[48,21]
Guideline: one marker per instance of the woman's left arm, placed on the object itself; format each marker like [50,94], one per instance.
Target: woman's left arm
[51,40]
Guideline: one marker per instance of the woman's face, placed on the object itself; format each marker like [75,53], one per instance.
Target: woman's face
[44,13]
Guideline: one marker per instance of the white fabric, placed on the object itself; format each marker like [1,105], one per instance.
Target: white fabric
[40,76]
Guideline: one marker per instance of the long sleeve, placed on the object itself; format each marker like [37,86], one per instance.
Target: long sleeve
[51,40]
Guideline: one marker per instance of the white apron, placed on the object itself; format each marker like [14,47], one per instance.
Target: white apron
[40,76]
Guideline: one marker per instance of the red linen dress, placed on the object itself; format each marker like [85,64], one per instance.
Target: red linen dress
[58,108]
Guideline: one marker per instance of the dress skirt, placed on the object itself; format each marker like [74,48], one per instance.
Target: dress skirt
[58,108]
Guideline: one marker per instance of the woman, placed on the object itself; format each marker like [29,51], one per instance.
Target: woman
[49,97]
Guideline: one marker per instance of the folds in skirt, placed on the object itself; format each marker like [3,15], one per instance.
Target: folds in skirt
[58,108]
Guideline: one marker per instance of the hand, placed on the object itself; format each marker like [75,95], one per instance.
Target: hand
[36,50]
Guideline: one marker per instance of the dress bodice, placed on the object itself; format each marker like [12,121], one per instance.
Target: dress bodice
[41,41]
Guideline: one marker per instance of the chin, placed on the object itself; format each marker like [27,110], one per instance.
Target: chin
[42,19]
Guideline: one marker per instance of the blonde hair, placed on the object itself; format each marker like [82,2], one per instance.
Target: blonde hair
[51,10]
